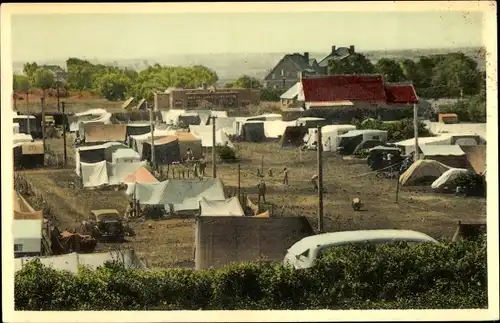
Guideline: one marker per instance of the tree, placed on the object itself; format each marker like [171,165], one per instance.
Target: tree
[458,74]
[390,69]
[354,64]
[410,71]
[44,79]
[113,86]
[247,82]
[29,70]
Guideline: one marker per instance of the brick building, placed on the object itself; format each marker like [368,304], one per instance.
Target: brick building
[193,98]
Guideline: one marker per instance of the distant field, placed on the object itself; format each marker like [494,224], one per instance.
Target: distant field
[171,242]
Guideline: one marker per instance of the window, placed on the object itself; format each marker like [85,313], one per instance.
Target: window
[18,247]
[282,72]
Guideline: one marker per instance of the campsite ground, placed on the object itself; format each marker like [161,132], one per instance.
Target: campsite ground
[171,242]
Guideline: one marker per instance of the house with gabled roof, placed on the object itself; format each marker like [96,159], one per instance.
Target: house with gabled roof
[292,67]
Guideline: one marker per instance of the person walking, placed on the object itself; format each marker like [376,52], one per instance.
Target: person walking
[285,176]
[203,165]
[262,191]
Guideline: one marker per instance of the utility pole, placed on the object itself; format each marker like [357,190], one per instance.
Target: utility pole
[415,130]
[64,133]
[42,101]
[239,183]
[57,93]
[214,167]
[151,120]
[320,181]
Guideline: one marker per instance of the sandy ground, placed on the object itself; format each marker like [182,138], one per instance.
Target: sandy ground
[171,242]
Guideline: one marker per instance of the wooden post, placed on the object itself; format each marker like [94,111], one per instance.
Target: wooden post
[262,166]
[151,120]
[320,181]
[42,101]
[239,183]
[415,130]
[397,189]
[214,161]
[64,133]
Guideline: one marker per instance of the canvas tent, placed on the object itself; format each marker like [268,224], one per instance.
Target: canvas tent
[449,155]
[446,180]
[310,122]
[21,137]
[295,92]
[227,125]
[171,117]
[26,122]
[136,141]
[179,195]
[104,173]
[441,139]
[476,158]
[22,209]
[189,118]
[125,155]
[205,135]
[95,116]
[253,131]
[166,150]
[141,175]
[355,140]
[422,171]
[293,136]
[276,128]
[29,154]
[329,136]
[138,128]
[100,133]
[229,207]
[187,140]
[95,154]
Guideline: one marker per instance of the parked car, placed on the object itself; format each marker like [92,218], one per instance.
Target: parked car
[304,253]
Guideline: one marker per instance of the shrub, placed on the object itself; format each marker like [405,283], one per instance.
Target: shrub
[226,154]
[473,183]
[450,275]
[396,130]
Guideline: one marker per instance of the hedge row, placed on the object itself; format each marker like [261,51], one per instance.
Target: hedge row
[351,277]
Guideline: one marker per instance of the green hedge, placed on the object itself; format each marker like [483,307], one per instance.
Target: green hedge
[418,276]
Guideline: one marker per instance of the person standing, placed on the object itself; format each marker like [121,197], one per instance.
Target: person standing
[262,190]
[314,181]
[202,165]
[285,176]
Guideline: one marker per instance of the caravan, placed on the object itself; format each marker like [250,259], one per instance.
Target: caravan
[330,136]
[355,140]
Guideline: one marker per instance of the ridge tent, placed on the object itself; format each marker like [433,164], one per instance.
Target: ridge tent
[187,140]
[104,173]
[293,136]
[171,117]
[101,133]
[355,140]
[229,207]
[95,154]
[138,128]
[141,175]
[276,128]
[136,141]
[253,131]
[421,172]
[167,150]
[446,180]
[330,136]
[205,134]
[125,155]
[228,125]
[179,195]
[449,155]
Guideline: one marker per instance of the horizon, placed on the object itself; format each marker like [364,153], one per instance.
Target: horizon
[111,37]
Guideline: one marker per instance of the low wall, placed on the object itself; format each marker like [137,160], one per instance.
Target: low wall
[221,240]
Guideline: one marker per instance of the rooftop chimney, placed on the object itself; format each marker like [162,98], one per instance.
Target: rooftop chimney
[351,49]
[306,55]
[334,48]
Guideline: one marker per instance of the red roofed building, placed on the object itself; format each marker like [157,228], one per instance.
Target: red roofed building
[355,90]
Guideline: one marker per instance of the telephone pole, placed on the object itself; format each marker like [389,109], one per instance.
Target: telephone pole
[214,167]
[57,93]
[151,120]
[42,101]
[320,181]
[415,130]
[63,104]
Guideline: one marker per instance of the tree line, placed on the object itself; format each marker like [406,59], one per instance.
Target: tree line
[111,82]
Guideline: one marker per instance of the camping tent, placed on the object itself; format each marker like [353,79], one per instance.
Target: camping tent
[476,157]
[138,128]
[180,195]
[141,175]
[228,125]
[22,209]
[205,134]
[21,137]
[189,118]
[125,155]
[29,154]
[136,141]
[187,140]
[293,136]
[171,117]
[408,145]
[229,207]
[166,150]
[450,155]
[276,128]
[104,173]
[253,131]
[446,180]
[329,136]
[310,122]
[95,154]
[100,133]
[24,121]
[422,171]
[355,140]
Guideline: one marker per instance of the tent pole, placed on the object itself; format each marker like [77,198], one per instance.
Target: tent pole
[320,181]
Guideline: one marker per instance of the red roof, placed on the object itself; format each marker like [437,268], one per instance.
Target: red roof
[344,88]
[400,93]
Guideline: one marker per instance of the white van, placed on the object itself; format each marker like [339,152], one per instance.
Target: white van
[303,254]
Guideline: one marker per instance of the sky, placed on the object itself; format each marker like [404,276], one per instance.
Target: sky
[142,36]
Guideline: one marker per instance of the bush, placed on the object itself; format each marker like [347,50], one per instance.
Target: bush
[473,183]
[226,154]
[452,275]
[396,130]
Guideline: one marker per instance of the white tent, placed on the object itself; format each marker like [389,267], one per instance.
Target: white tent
[229,207]
[276,128]
[104,173]
[266,117]
[138,140]
[205,134]
[227,125]
[171,117]
[329,136]
[21,137]
[125,155]
[447,178]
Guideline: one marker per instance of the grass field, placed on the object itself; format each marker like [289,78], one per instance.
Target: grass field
[171,242]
